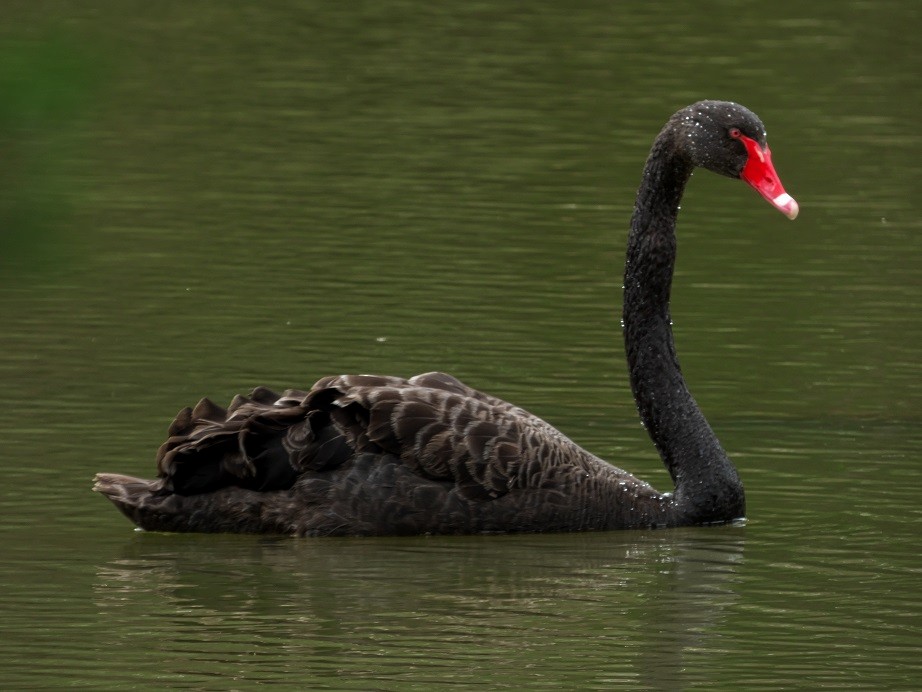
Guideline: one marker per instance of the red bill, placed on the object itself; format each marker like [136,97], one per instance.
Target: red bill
[760,173]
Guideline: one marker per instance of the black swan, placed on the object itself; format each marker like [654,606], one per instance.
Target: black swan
[369,455]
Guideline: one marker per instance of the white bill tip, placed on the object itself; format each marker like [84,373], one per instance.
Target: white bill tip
[787,205]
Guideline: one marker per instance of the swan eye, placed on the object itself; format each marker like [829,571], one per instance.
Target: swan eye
[735,133]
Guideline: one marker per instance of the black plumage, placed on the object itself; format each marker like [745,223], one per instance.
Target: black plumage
[373,455]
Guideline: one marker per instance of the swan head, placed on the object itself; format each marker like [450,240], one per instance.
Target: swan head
[729,139]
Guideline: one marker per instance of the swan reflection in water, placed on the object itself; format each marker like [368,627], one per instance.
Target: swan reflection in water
[501,608]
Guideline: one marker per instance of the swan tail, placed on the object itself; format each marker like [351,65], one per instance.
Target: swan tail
[152,508]
[136,498]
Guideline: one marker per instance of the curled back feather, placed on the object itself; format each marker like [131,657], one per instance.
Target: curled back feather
[438,427]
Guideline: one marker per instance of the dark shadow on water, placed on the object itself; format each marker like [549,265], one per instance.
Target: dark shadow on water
[651,598]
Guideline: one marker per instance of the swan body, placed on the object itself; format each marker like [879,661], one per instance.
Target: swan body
[374,455]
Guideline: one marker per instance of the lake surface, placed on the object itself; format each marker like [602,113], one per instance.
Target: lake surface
[197,198]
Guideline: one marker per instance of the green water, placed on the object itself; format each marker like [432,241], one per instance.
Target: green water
[198,198]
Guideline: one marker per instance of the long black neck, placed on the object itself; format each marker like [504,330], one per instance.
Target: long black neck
[707,487]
